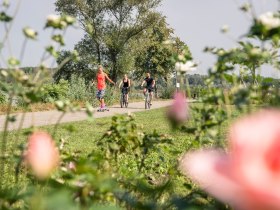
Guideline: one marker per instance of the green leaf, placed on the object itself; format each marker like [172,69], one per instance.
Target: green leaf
[229,78]
[5,18]
[59,39]
[13,62]
[52,51]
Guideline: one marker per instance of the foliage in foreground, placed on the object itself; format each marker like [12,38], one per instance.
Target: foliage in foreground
[131,168]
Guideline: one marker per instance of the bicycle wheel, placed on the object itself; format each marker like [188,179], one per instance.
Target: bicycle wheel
[121,101]
[125,102]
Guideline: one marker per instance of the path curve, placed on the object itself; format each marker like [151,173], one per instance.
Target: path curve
[51,117]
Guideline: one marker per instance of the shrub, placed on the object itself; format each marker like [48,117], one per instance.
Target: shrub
[3,98]
[78,90]
[53,92]
[167,92]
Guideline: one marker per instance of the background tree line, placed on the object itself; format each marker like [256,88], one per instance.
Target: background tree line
[125,36]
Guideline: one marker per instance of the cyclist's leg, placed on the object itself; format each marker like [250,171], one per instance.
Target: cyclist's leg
[122,93]
[122,96]
[126,94]
[151,95]
[144,91]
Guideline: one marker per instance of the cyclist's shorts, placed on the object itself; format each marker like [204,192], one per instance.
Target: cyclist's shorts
[150,89]
[100,94]
[125,90]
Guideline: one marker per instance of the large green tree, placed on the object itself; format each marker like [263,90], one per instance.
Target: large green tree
[156,53]
[111,26]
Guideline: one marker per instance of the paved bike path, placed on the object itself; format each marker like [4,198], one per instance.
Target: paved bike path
[52,117]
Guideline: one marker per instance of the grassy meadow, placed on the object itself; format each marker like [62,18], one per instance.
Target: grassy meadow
[83,138]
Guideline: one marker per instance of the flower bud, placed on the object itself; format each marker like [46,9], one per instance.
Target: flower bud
[30,33]
[42,155]
[178,111]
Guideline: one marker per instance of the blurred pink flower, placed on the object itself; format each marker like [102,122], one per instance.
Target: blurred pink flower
[41,154]
[248,176]
[178,111]
[72,166]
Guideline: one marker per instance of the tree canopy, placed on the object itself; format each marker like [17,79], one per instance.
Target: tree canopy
[110,26]
[125,36]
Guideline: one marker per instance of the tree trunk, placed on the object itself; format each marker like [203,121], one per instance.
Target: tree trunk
[114,72]
[98,53]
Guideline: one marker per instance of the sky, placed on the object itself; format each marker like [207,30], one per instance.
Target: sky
[196,22]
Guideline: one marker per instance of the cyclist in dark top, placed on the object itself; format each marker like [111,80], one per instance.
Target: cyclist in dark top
[150,84]
[125,84]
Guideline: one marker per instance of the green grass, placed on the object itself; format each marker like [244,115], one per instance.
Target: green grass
[82,137]
[84,134]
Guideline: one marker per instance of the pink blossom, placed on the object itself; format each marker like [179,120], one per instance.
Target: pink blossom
[72,166]
[178,111]
[41,154]
[248,175]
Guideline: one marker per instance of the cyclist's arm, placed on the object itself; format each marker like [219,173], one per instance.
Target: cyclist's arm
[143,83]
[129,83]
[153,84]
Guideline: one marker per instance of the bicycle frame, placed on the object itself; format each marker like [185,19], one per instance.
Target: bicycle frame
[123,101]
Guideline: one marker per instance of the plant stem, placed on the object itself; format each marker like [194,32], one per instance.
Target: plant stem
[57,124]
[23,49]
[15,141]
[8,29]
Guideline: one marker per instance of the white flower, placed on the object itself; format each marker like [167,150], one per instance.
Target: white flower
[221,52]
[188,66]
[63,24]
[56,22]
[53,18]
[69,19]
[256,51]
[269,20]
[30,33]
[225,28]
[4,73]
[181,57]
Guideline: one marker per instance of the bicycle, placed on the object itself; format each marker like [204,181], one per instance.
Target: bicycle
[147,100]
[123,99]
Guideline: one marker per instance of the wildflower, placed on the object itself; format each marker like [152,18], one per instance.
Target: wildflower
[30,33]
[248,176]
[255,51]
[184,67]
[69,19]
[53,21]
[41,154]
[178,111]
[225,29]
[269,20]
[72,166]
[56,22]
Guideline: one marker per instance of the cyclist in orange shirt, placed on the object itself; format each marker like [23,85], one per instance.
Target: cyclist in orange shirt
[101,86]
